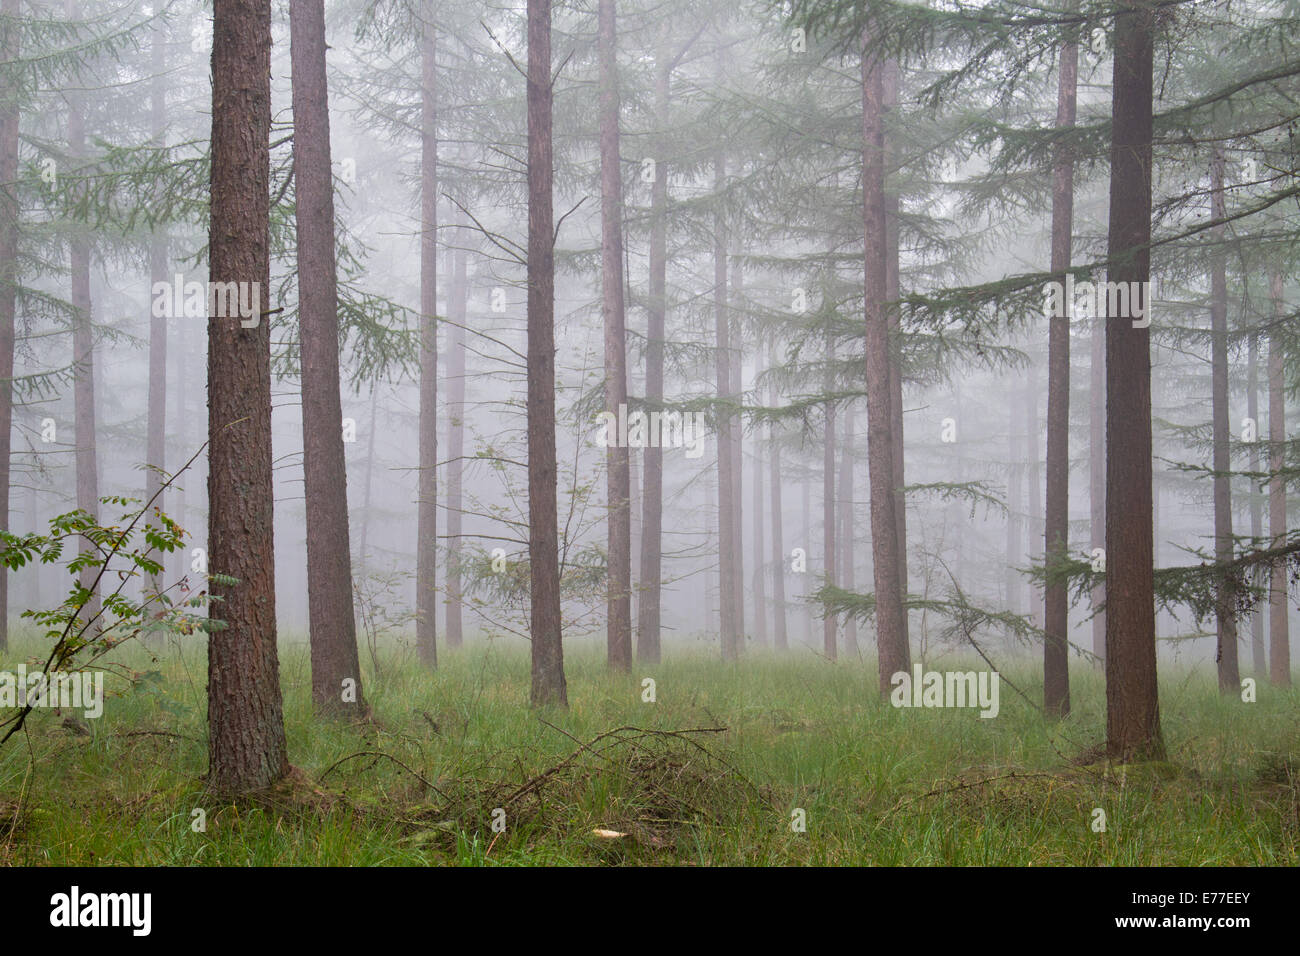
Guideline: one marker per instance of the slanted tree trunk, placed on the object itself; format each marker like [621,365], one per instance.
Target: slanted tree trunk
[652,492]
[156,436]
[1056,608]
[335,669]
[456,446]
[426,547]
[1279,652]
[618,627]
[726,514]
[894,653]
[1132,694]
[1258,650]
[548,684]
[246,745]
[1225,603]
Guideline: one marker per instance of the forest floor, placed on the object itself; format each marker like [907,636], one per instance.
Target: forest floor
[715,771]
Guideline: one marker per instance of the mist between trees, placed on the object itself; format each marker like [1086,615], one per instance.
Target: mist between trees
[858,329]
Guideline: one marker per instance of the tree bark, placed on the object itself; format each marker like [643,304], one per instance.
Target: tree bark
[1132,694]
[335,669]
[548,683]
[890,84]
[726,514]
[829,622]
[246,744]
[618,627]
[894,653]
[1056,609]
[780,636]
[456,446]
[9,211]
[845,570]
[1015,506]
[1097,477]
[1279,652]
[759,586]
[156,436]
[1258,649]
[426,548]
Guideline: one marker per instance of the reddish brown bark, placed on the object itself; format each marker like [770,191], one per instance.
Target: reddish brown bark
[426,546]
[726,513]
[246,745]
[548,683]
[335,669]
[1132,695]
[1056,611]
[889,91]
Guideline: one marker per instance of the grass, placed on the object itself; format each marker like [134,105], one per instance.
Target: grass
[419,784]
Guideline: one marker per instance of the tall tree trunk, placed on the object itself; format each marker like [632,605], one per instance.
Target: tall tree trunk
[652,491]
[1279,654]
[156,437]
[806,487]
[829,621]
[246,745]
[335,669]
[1035,487]
[1259,652]
[426,547]
[83,359]
[780,636]
[543,529]
[456,446]
[760,587]
[1015,510]
[737,463]
[890,83]
[1056,608]
[726,514]
[9,210]
[367,500]
[618,627]
[845,570]
[1097,477]
[1225,604]
[1132,694]
[894,653]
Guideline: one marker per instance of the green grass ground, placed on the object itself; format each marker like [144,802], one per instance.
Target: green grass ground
[419,784]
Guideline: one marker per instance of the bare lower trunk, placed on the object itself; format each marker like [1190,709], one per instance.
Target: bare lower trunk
[426,546]
[845,570]
[889,90]
[829,623]
[1015,510]
[1225,605]
[1259,652]
[1279,654]
[246,745]
[760,587]
[156,429]
[726,514]
[1056,609]
[1097,477]
[335,669]
[9,210]
[894,654]
[456,446]
[548,683]
[618,628]
[1132,695]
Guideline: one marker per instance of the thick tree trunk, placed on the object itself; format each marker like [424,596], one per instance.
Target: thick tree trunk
[894,653]
[156,429]
[9,210]
[1132,694]
[652,491]
[426,547]
[335,669]
[1097,477]
[1279,654]
[246,745]
[456,446]
[1225,605]
[543,529]
[1259,652]
[1056,608]
[618,627]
